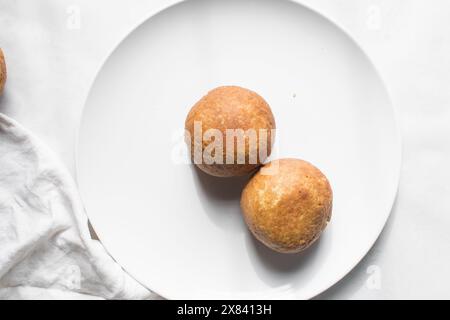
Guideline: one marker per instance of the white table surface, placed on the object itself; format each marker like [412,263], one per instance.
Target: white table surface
[54,48]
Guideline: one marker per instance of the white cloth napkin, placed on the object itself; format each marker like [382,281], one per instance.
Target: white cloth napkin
[46,251]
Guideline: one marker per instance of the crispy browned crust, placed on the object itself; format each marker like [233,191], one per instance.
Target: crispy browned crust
[288,210]
[2,71]
[231,107]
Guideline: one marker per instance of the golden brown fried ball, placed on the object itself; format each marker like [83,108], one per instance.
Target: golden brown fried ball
[2,71]
[231,107]
[289,206]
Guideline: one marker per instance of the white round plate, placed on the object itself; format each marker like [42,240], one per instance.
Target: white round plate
[180,232]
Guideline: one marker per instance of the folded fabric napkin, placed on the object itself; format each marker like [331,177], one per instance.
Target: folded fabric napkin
[46,251]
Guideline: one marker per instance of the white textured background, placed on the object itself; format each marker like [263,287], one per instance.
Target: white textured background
[53,49]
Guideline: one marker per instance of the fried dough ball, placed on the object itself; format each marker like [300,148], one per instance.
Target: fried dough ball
[230,107]
[289,206]
[2,71]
